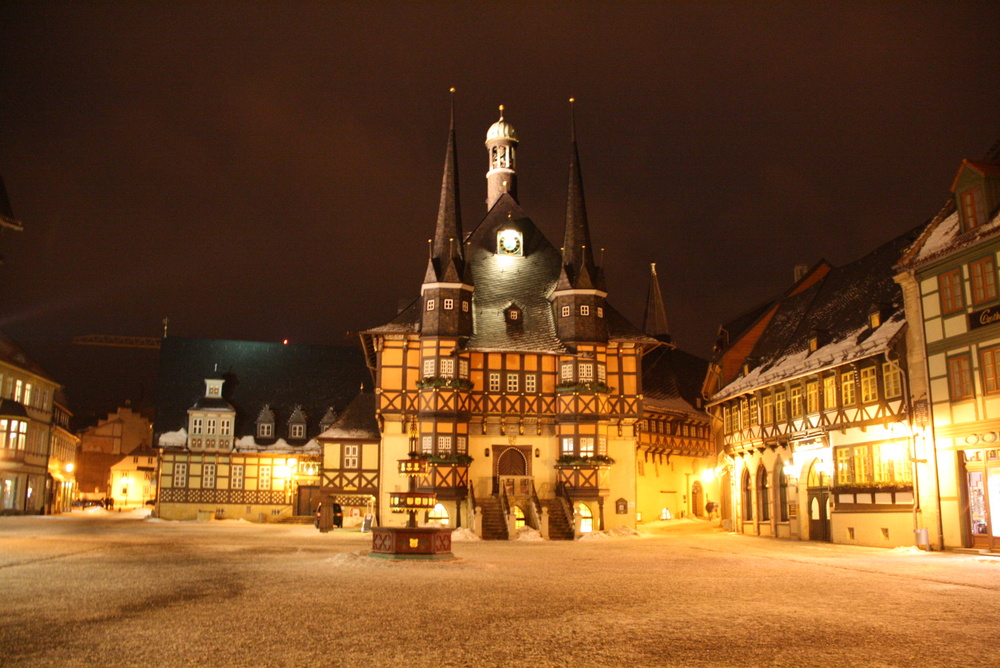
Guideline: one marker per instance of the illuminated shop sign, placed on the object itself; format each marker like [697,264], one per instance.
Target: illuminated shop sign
[987,316]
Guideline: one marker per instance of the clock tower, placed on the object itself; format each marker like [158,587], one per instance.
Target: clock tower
[501,145]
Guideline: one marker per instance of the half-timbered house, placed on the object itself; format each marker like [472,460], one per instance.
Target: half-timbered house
[349,475]
[518,380]
[949,280]
[809,392]
[237,425]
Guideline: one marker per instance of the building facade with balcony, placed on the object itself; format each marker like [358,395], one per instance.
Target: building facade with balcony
[513,374]
[810,401]
[949,280]
[237,425]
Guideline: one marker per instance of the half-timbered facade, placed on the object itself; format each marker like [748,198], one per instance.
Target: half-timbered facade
[237,425]
[349,474]
[812,413]
[949,279]
[511,372]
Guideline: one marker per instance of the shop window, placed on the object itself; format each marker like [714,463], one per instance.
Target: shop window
[747,494]
[763,494]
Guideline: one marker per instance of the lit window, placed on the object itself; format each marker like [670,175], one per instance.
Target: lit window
[780,407]
[586,446]
[447,367]
[984,280]
[829,392]
[427,444]
[796,396]
[989,368]
[429,367]
[566,372]
[444,444]
[236,479]
[847,388]
[763,494]
[494,382]
[208,476]
[869,385]
[565,311]
[602,373]
[568,446]
[586,372]
[891,380]
[950,289]
[461,444]
[768,409]
[812,397]
[600,312]
[264,478]
[448,304]
[602,445]
[180,475]
[463,368]
[465,305]
[744,414]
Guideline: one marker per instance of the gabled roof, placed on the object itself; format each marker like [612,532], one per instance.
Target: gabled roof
[11,353]
[357,421]
[839,305]
[982,168]
[672,380]
[257,374]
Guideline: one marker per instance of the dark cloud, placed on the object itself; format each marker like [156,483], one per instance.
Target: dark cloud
[271,170]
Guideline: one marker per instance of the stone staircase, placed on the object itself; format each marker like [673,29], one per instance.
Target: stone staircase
[494,524]
[559,526]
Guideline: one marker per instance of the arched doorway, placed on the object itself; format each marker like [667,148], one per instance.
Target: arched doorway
[438,515]
[512,461]
[586,517]
[519,521]
[697,499]
[819,501]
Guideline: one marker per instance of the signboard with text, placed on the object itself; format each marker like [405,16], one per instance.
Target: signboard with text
[987,316]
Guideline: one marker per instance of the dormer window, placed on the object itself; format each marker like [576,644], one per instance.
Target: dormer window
[265,423]
[513,314]
[874,319]
[973,208]
[297,424]
[813,343]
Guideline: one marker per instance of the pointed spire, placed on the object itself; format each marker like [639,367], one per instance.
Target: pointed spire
[578,256]
[447,244]
[654,322]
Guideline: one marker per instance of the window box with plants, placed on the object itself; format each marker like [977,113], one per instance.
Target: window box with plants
[590,461]
[596,387]
[442,382]
[877,493]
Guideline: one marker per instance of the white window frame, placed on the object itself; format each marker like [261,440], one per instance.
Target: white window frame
[448,303]
[427,444]
[236,476]
[297,430]
[587,446]
[586,372]
[512,382]
[352,456]
[566,372]
[447,367]
[430,304]
[208,476]
[180,474]
[265,429]
[584,309]
[444,444]
[494,379]
[530,383]
[565,311]
[264,477]
[429,367]
[567,445]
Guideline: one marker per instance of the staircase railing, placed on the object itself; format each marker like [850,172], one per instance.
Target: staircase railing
[470,512]
[536,506]
[562,493]
[505,508]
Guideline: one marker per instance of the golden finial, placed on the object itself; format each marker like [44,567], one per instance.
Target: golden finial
[501,112]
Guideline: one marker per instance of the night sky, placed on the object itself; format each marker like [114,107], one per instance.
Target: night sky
[265,171]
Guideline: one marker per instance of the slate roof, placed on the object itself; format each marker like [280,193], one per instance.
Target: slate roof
[499,281]
[672,380]
[357,421]
[838,305]
[282,376]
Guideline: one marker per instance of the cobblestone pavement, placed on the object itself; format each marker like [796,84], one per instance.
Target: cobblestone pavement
[100,590]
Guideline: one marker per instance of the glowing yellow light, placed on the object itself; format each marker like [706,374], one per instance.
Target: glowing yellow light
[70,467]
[708,475]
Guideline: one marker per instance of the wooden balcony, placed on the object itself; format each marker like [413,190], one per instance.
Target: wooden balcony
[586,481]
[448,481]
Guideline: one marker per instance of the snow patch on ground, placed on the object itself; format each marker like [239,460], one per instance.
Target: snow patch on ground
[528,534]
[612,534]
[464,536]
[910,550]
[363,560]
[989,560]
